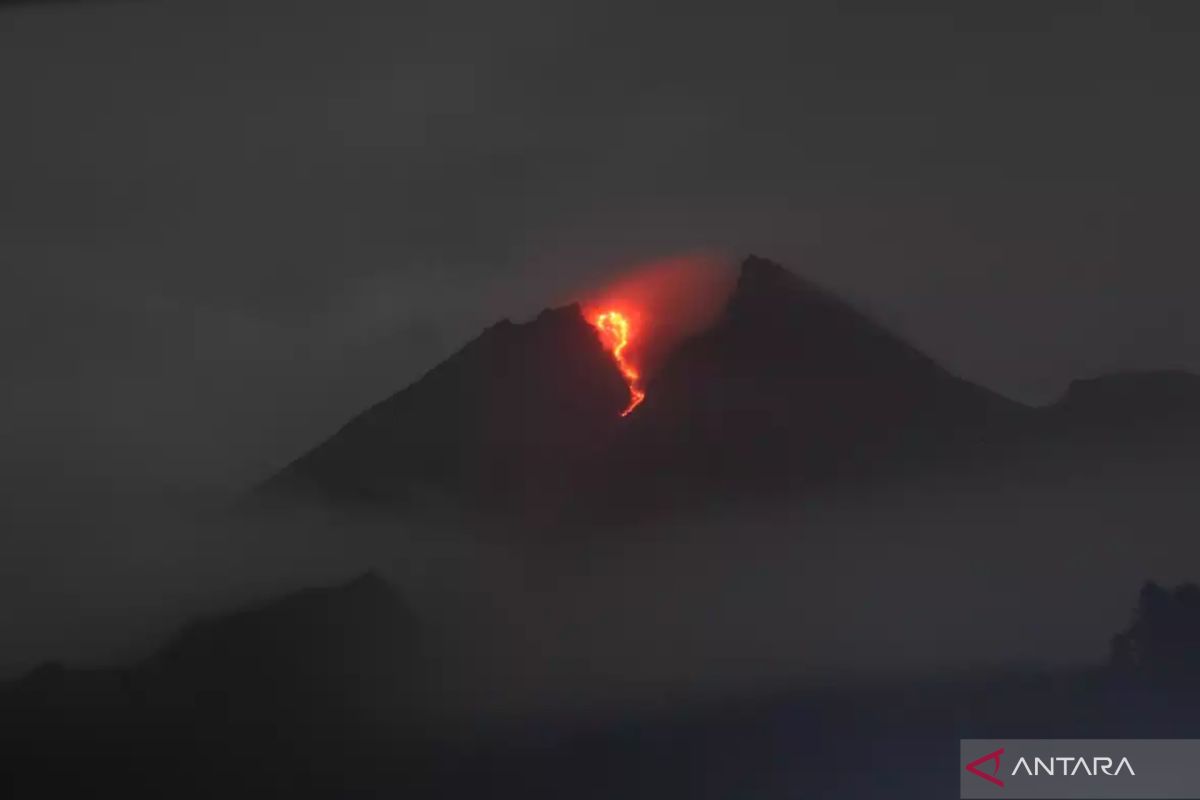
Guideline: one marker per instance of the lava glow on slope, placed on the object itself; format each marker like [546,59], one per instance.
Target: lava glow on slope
[616,333]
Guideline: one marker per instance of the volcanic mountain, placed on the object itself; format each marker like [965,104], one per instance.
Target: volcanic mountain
[790,385]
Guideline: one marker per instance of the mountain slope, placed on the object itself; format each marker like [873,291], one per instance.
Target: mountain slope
[505,422]
[792,384]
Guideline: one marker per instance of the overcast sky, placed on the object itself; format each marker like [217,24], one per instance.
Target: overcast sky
[227,226]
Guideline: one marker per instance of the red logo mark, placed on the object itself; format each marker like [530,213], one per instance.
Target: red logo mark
[973,767]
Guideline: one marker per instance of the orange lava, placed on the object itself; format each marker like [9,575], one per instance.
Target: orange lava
[617,333]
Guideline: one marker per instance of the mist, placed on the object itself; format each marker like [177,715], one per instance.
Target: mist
[1030,565]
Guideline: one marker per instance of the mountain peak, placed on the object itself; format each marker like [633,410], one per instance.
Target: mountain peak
[761,278]
[765,288]
[757,268]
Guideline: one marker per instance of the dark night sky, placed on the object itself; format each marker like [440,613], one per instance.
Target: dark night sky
[226,226]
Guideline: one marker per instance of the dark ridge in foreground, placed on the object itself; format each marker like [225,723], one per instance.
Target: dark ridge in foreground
[317,695]
[224,706]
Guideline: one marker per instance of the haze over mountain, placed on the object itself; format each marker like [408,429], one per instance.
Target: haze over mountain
[862,449]
[853,441]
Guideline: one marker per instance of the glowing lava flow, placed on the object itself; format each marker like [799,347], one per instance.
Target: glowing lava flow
[615,330]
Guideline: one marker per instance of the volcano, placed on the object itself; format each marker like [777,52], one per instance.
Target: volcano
[789,388]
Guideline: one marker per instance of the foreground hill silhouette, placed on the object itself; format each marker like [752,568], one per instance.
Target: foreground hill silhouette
[229,698]
[790,387]
[319,694]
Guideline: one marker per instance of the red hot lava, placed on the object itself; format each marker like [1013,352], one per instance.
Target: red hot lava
[616,332]
[649,308]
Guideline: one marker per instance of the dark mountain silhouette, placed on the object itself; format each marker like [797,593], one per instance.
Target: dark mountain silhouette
[791,384]
[270,702]
[790,388]
[348,646]
[312,673]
